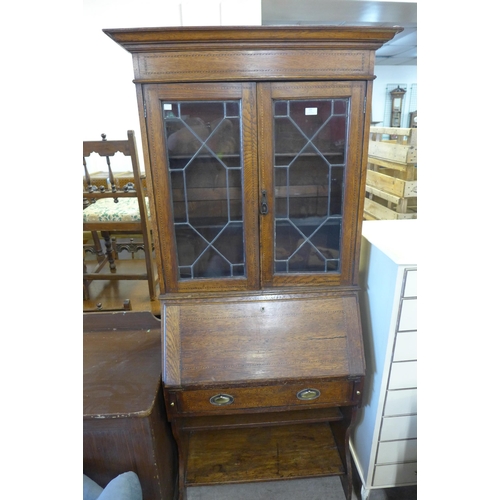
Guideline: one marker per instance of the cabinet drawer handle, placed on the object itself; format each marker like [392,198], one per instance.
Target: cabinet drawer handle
[308,394]
[221,399]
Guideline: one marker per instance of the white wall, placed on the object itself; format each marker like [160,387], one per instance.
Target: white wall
[108,101]
[387,75]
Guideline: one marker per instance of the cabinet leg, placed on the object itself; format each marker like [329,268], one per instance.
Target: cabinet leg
[182,492]
[341,433]
[182,440]
[365,494]
[86,283]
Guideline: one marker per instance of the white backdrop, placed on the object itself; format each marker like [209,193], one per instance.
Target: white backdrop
[108,102]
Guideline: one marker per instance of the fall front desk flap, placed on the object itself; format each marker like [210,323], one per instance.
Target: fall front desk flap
[262,338]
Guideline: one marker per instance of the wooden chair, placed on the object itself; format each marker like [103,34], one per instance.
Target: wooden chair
[116,209]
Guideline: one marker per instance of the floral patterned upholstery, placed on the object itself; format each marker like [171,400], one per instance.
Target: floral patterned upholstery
[106,210]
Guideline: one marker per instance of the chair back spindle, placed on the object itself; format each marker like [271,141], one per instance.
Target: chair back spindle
[110,172]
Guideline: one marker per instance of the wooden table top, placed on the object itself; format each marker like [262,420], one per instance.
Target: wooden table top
[121,364]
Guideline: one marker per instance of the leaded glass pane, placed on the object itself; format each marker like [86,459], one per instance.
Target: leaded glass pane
[205,169]
[310,139]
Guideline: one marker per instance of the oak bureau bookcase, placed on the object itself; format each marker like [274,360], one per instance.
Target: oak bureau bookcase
[255,146]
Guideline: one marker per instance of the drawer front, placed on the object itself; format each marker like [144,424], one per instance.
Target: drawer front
[408,317]
[410,289]
[395,474]
[406,346]
[237,398]
[401,402]
[403,375]
[398,428]
[397,451]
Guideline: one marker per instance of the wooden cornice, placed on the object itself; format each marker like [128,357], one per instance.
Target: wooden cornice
[259,37]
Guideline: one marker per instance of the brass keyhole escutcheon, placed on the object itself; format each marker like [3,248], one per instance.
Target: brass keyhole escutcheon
[264,209]
[221,399]
[308,394]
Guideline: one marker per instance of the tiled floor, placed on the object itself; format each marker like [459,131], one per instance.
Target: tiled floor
[328,488]
[325,488]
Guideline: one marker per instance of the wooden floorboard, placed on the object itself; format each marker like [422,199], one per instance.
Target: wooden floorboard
[111,294]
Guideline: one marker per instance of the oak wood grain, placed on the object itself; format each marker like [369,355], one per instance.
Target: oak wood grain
[262,454]
[268,340]
[337,392]
[259,419]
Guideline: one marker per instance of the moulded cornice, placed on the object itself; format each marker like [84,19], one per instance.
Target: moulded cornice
[260,37]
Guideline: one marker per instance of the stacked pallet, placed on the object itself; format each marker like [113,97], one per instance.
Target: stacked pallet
[391,181]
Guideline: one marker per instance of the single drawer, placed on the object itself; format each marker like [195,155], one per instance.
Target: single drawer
[403,375]
[403,402]
[398,428]
[284,395]
[408,317]
[410,289]
[406,346]
[390,452]
[395,474]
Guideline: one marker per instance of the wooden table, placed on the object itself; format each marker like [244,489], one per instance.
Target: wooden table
[124,420]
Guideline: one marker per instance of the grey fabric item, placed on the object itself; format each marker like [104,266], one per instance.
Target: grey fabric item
[91,490]
[126,486]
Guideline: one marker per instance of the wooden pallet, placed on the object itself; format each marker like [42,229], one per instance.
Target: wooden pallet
[391,182]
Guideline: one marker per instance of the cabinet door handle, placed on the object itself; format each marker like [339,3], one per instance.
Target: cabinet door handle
[221,399]
[263,203]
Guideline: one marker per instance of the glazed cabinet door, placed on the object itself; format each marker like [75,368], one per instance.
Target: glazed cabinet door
[257,185]
[202,147]
[310,146]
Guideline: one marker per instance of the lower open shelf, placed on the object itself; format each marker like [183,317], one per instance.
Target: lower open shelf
[262,454]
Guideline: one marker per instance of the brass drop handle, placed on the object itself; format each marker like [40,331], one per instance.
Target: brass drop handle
[264,209]
[221,399]
[308,394]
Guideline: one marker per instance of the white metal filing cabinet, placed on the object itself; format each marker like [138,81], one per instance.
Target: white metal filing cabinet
[384,439]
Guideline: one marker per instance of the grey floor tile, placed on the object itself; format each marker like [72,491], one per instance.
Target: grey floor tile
[325,488]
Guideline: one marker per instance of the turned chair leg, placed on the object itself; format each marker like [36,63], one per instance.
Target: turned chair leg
[109,251]
[97,246]
[86,294]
